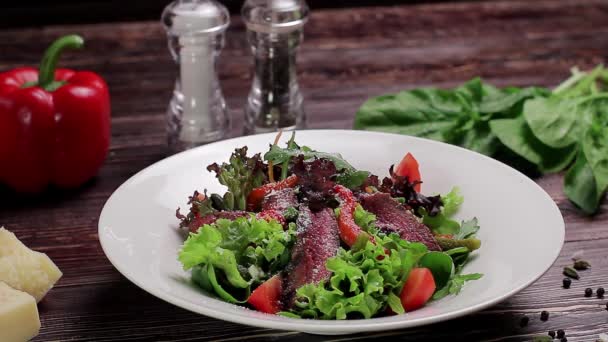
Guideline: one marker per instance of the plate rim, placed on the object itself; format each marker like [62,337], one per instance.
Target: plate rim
[328,327]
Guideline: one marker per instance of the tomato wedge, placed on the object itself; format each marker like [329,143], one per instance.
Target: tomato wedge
[256,196]
[267,297]
[408,167]
[418,289]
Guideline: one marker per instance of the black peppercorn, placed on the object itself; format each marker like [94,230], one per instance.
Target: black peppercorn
[552,333]
[564,339]
[561,333]
[588,292]
[600,292]
[524,321]
[606,306]
[567,282]
[544,316]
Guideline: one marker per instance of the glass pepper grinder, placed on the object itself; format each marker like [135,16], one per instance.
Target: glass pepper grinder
[274,31]
[197,112]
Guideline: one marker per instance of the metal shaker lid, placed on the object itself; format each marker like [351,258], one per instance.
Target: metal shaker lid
[275,16]
[189,17]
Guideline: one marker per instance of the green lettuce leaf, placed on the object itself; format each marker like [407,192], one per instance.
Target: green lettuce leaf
[442,223]
[365,280]
[245,250]
[240,175]
[365,220]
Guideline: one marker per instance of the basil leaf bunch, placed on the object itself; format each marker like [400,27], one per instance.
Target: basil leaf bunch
[458,116]
[563,129]
[567,130]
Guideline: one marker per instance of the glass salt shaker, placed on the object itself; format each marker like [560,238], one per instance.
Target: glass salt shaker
[197,113]
[274,31]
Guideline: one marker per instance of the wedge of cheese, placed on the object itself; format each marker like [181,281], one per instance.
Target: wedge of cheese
[25,270]
[19,320]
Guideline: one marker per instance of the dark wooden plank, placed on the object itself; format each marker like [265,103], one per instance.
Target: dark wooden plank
[40,12]
[347,56]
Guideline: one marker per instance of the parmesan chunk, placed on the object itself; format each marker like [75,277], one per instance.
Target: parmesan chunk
[25,270]
[19,319]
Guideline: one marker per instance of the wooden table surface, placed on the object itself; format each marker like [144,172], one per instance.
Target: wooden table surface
[348,55]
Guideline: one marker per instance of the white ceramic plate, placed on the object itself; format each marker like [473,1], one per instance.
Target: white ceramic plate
[522,230]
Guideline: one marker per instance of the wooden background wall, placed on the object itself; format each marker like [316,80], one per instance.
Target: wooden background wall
[32,13]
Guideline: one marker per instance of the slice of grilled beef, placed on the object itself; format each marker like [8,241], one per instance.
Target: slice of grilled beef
[196,223]
[317,240]
[391,216]
[280,200]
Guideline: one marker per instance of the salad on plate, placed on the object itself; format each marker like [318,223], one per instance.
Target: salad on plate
[304,234]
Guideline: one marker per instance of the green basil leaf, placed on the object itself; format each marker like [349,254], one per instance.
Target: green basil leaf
[440,264]
[595,148]
[580,185]
[556,122]
[517,136]
[501,102]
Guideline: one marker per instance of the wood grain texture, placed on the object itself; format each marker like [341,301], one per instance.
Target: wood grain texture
[347,56]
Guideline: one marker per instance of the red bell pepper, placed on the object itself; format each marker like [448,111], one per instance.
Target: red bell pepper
[349,230]
[256,196]
[54,123]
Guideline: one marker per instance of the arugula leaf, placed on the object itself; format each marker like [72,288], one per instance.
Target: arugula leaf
[458,281]
[279,155]
[454,286]
[352,179]
[467,229]
[460,256]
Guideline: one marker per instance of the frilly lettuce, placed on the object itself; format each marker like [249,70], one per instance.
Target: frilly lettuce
[442,223]
[365,280]
[245,251]
[240,175]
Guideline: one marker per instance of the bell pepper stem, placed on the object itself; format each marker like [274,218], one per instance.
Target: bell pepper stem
[46,75]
